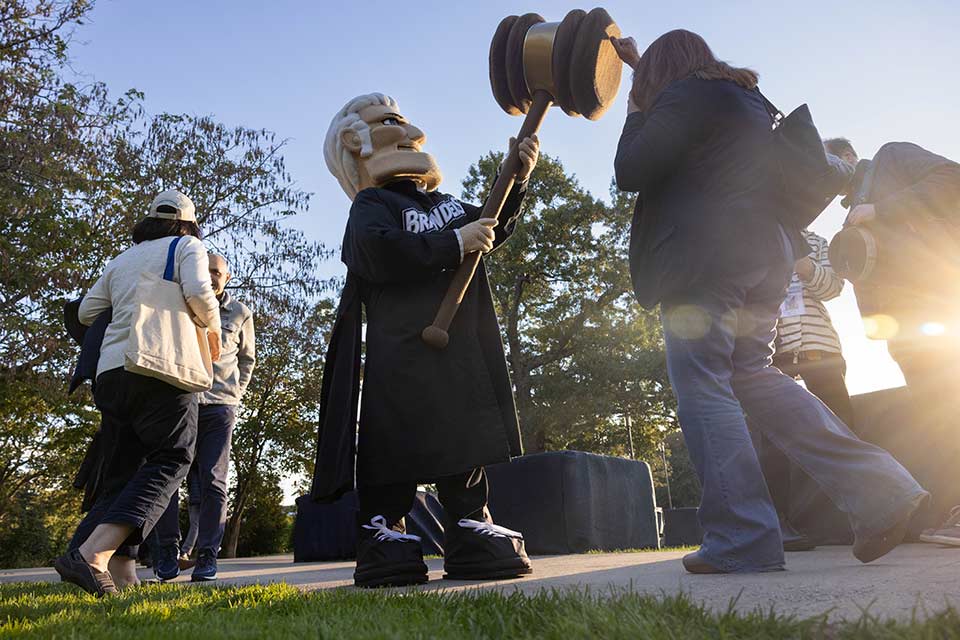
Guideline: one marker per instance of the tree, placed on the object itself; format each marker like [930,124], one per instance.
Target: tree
[277,425]
[77,169]
[586,361]
[266,526]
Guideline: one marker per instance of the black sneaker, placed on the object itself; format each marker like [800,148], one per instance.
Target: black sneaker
[946,534]
[166,564]
[477,550]
[206,568]
[73,568]
[388,558]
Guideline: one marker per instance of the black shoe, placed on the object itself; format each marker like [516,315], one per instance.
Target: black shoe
[206,568]
[869,549]
[794,540]
[73,568]
[166,565]
[388,558]
[475,550]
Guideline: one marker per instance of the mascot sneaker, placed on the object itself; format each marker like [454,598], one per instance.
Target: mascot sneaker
[388,558]
[477,550]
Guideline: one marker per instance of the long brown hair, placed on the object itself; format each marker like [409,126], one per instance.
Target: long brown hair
[676,55]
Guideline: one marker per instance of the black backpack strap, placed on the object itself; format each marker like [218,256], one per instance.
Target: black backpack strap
[775,113]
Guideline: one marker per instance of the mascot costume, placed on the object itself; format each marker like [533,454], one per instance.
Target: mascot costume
[426,416]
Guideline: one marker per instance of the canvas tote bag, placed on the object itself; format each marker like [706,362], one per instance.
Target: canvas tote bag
[164,341]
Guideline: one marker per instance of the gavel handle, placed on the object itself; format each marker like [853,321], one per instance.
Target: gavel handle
[436,334]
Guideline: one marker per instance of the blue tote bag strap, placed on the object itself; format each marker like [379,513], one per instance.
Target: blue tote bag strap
[171,254]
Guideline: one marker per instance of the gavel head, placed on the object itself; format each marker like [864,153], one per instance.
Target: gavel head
[572,60]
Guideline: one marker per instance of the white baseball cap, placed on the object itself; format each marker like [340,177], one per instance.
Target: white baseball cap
[173,205]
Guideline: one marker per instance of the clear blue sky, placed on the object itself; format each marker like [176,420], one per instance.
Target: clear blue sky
[873,71]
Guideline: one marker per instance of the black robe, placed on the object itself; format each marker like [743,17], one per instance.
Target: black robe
[425,414]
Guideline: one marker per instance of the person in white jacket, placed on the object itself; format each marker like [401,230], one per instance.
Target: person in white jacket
[149,426]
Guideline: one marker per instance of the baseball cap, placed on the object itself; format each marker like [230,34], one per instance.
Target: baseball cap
[173,205]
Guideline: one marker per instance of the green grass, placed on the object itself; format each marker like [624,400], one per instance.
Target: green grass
[281,611]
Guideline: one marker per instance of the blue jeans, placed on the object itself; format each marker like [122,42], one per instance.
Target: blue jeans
[208,478]
[719,338]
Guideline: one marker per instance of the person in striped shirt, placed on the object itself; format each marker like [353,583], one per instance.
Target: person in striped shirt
[807,344]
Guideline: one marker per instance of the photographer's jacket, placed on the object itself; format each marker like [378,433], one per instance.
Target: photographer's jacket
[425,413]
[916,194]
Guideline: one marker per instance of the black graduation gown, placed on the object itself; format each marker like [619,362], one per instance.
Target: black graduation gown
[425,414]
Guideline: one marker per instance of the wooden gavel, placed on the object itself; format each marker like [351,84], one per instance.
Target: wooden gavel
[534,64]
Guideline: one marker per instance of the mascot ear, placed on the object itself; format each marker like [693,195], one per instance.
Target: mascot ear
[351,140]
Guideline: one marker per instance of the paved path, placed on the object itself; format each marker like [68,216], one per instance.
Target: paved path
[921,578]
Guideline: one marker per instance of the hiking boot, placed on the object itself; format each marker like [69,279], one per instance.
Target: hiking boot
[475,550]
[206,567]
[185,562]
[388,557]
[869,549]
[947,534]
[73,568]
[165,561]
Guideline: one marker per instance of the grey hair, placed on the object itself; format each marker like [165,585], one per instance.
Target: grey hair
[339,159]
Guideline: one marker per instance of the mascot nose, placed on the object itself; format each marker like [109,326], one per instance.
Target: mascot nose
[416,134]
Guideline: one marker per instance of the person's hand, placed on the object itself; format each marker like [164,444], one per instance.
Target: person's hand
[805,268]
[626,48]
[862,214]
[478,236]
[213,340]
[529,153]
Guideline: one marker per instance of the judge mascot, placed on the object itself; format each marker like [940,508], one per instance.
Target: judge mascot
[426,416]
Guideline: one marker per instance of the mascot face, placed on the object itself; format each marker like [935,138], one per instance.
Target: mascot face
[396,153]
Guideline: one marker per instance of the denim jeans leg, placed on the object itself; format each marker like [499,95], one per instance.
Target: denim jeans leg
[862,480]
[215,431]
[741,531]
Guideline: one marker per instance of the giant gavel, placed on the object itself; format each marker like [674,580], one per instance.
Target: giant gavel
[534,64]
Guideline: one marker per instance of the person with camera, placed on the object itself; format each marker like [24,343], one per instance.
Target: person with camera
[901,249]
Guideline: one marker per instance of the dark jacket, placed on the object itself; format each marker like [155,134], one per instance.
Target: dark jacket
[700,162]
[89,338]
[916,194]
[425,414]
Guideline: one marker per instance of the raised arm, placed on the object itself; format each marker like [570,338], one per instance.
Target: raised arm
[652,144]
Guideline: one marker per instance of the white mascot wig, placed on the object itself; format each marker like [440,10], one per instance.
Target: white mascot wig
[339,159]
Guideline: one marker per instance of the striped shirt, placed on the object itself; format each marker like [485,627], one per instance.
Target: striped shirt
[807,326]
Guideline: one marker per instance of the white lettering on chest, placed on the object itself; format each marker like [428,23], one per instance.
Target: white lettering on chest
[416,221]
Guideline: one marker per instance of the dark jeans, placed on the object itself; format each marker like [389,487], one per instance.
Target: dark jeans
[719,338]
[462,496]
[795,495]
[210,464]
[148,433]
[931,368]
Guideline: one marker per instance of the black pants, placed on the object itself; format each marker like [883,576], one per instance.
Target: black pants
[795,495]
[462,496]
[931,368]
[148,433]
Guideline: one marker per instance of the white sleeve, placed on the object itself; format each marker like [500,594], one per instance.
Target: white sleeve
[194,269]
[96,300]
